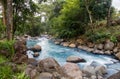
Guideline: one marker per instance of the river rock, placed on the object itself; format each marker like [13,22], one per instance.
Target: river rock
[80,41]
[101,70]
[100,46]
[72,45]
[90,45]
[72,70]
[44,75]
[35,48]
[118,55]
[36,54]
[89,69]
[49,65]
[31,71]
[109,45]
[65,44]
[32,61]
[75,59]
[115,50]
[108,52]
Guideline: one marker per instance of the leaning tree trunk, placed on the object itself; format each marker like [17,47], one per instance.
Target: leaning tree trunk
[9,19]
[109,16]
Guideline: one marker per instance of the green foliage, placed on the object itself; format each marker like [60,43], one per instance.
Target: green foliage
[6,72]
[7,45]
[97,36]
[68,24]
[113,39]
[22,13]
[22,76]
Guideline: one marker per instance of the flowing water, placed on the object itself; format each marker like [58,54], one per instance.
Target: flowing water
[60,53]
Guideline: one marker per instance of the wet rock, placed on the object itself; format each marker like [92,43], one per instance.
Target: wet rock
[36,54]
[72,70]
[35,48]
[45,75]
[95,68]
[109,45]
[89,69]
[75,59]
[72,45]
[101,70]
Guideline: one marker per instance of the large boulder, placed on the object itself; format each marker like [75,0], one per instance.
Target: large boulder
[75,59]
[72,45]
[95,68]
[35,48]
[72,70]
[109,45]
[32,61]
[49,65]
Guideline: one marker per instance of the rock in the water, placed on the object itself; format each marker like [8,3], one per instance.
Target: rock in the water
[72,45]
[101,70]
[44,75]
[109,45]
[36,54]
[95,68]
[35,48]
[72,70]
[75,59]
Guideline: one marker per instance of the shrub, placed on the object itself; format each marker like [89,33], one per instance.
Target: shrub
[7,46]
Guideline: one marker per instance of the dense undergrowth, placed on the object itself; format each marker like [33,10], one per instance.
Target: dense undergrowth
[6,71]
[102,33]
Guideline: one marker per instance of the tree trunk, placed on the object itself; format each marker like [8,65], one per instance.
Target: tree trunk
[109,16]
[9,20]
[89,14]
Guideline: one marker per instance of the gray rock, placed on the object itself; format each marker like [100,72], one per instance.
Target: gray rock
[72,70]
[100,46]
[109,46]
[75,59]
[72,45]
[44,75]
